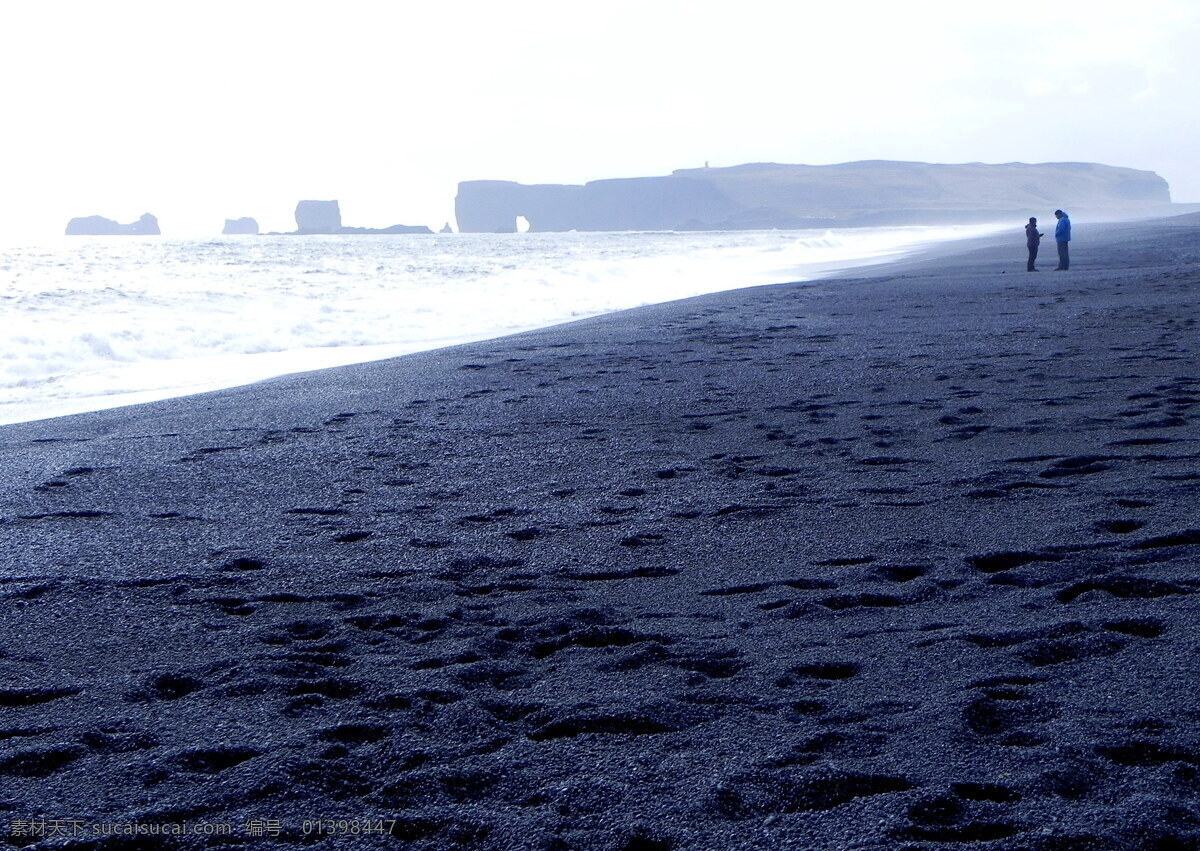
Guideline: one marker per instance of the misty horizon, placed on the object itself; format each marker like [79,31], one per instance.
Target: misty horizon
[201,113]
[985,202]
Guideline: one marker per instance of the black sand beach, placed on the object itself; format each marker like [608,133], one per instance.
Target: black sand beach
[910,560]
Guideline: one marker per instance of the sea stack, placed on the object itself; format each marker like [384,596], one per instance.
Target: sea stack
[242,226]
[147,225]
[318,217]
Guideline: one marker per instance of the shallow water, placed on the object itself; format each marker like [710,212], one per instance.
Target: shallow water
[91,323]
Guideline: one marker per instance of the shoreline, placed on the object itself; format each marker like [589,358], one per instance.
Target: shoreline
[196,374]
[904,559]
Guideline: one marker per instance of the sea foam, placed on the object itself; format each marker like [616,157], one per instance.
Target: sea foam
[91,323]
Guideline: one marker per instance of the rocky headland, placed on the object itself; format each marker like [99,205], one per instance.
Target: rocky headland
[771,195]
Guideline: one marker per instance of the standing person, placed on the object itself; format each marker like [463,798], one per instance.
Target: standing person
[1062,236]
[1032,239]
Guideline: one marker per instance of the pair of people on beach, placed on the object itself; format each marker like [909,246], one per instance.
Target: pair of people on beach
[1062,238]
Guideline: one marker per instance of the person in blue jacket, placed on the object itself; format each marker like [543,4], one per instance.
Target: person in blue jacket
[1062,236]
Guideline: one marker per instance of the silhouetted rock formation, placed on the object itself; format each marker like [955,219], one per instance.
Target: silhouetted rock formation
[446,228]
[244,225]
[770,195]
[388,230]
[326,217]
[318,217]
[147,225]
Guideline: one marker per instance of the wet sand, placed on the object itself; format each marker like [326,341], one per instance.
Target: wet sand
[901,561]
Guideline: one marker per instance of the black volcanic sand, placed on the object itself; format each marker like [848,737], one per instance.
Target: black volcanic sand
[905,561]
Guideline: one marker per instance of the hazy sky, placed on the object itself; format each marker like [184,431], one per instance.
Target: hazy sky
[201,111]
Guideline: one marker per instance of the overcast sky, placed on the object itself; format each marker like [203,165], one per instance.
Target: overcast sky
[201,111]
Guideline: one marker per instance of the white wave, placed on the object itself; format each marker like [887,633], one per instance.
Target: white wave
[98,323]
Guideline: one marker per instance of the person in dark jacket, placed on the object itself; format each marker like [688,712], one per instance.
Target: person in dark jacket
[1062,236]
[1032,239]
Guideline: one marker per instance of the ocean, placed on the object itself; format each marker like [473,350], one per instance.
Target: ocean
[88,323]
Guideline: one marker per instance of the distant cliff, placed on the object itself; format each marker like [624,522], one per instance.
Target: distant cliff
[326,217]
[770,195]
[147,225]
